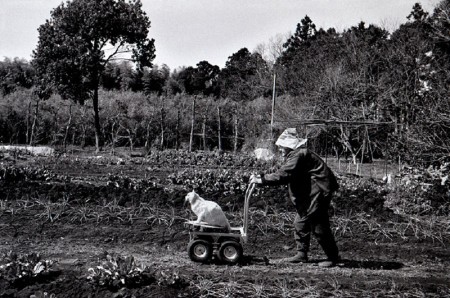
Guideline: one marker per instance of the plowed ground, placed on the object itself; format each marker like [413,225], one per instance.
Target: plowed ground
[373,264]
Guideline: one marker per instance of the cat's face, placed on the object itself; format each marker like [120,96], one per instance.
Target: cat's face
[191,197]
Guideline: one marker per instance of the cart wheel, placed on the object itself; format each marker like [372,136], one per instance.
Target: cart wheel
[200,250]
[230,252]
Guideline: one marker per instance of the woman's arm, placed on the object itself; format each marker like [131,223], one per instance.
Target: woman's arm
[283,175]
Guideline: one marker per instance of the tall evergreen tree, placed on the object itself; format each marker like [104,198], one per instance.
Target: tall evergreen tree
[72,49]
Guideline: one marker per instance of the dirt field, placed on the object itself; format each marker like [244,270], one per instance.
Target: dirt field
[73,218]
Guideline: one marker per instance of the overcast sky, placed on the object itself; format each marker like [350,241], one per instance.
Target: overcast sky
[189,31]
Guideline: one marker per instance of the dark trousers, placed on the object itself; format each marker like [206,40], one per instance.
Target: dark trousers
[312,217]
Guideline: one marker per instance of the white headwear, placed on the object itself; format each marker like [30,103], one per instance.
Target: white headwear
[290,139]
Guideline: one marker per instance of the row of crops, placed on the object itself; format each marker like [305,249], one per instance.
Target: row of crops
[166,158]
[414,191]
[111,271]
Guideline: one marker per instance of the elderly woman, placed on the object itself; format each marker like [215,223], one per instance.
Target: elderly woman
[311,185]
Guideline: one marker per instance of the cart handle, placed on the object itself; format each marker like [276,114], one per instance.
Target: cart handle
[248,194]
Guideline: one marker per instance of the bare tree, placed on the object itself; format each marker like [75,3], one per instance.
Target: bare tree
[271,50]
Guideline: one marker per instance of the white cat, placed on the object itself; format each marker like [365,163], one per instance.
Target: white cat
[207,211]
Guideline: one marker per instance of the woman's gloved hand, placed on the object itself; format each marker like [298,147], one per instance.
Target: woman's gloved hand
[256,179]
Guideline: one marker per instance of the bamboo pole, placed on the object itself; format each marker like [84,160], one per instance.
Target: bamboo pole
[191,139]
[219,131]
[236,122]
[68,126]
[177,131]
[33,126]
[113,138]
[27,140]
[162,128]
[204,131]
[73,140]
[147,137]
[273,106]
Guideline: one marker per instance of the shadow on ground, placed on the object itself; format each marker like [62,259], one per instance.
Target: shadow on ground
[373,265]
[353,264]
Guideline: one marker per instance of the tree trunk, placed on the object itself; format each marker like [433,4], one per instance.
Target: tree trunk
[162,128]
[98,144]
[73,140]
[362,154]
[344,139]
[135,133]
[113,139]
[69,124]
[273,106]
[33,126]
[27,140]
[130,139]
[236,122]
[55,129]
[204,132]
[177,131]
[83,136]
[147,138]
[131,136]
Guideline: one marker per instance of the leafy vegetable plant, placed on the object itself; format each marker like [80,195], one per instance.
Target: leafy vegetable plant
[14,267]
[115,271]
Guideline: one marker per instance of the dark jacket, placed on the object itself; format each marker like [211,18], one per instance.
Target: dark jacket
[303,171]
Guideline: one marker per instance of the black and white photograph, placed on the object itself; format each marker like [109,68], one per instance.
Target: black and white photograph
[224,148]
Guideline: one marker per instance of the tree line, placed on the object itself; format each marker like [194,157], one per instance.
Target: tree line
[364,92]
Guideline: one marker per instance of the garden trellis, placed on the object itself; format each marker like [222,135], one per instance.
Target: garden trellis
[326,124]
